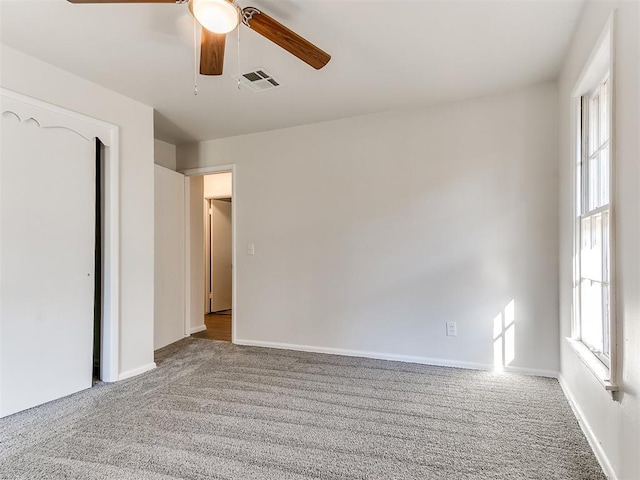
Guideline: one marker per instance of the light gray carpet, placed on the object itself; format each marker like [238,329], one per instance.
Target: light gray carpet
[212,410]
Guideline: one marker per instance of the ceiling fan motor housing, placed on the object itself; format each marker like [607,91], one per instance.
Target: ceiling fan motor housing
[217,16]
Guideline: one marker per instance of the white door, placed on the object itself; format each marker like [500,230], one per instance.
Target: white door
[169,272]
[221,255]
[208,250]
[47,201]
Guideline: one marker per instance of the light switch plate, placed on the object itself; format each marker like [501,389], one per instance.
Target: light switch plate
[452,330]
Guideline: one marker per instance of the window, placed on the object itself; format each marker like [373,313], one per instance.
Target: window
[593,333]
[593,217]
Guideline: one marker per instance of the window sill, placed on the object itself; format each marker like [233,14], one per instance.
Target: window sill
[595,366]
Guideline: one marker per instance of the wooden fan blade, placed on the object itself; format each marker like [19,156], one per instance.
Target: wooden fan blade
[123,1]
[293,43]
[212,52]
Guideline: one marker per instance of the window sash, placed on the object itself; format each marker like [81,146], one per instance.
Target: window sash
[594,286]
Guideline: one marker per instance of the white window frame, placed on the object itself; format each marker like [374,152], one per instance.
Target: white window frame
[601,64]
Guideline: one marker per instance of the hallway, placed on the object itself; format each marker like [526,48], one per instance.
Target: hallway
[218,326]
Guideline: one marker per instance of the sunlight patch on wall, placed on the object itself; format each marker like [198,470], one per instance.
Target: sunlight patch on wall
[504,337]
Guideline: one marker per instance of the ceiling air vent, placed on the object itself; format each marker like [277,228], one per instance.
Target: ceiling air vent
[258,80]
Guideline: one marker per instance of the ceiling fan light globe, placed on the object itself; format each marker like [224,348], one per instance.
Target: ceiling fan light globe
[218,16]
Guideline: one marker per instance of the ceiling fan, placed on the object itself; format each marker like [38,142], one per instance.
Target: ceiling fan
[219,17]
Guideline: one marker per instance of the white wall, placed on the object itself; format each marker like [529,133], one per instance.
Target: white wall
[218,185]
[373,231]
[29,76]
[195,255]
[613,423]
[164,154]
[169,255]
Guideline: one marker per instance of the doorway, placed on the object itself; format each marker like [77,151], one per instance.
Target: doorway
[97,260]
[218,256]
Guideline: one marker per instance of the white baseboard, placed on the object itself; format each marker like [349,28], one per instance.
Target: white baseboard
[199,328]
[136,371]
[535,372]
[395,357]
[601,456]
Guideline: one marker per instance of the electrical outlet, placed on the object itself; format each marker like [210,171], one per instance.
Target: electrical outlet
[452,330]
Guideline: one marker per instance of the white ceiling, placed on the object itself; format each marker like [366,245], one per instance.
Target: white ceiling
[387,54]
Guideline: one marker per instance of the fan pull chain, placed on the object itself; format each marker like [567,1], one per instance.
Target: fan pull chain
[239,51]
[195,57]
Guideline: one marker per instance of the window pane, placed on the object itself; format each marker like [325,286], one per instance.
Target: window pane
[604,112]
[596,232]
[604,177]
[591,254]
[605,320]
[585,234]
[606,306]
[594,124]
[592,190]
[591,313]
[579,201]
[605,247]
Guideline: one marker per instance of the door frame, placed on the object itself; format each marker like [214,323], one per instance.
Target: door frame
[49,116]
[199,172]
